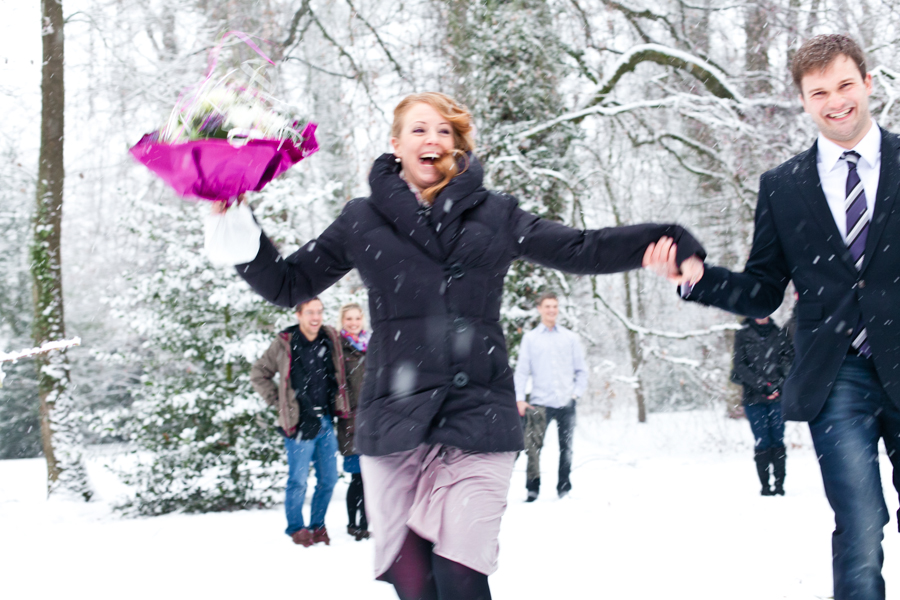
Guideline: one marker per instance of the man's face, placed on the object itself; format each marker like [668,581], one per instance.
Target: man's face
[548,309]
[837,99]
[310,318]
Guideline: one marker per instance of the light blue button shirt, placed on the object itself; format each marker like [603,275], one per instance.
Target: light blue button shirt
[554,361]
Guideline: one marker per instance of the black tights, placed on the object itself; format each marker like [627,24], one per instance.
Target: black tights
[356,502]
[420,574]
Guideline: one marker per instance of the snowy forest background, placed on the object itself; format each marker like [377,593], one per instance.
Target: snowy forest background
[592,112]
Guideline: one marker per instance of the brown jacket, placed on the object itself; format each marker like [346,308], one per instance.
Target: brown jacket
[355,368]
[277,360]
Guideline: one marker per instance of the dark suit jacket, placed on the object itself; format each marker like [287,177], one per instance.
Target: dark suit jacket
[796,238]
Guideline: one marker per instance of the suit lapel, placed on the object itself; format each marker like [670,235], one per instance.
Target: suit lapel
[809,187]
[888,183]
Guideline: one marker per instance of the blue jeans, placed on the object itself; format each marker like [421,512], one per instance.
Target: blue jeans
[767,424]
[856,414]
[300,453]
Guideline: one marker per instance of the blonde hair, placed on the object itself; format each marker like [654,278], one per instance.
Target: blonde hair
[347,308]
[463,135]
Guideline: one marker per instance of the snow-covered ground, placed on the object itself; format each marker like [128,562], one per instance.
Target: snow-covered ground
[668,509]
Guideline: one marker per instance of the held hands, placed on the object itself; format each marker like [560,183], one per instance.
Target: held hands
[660,257]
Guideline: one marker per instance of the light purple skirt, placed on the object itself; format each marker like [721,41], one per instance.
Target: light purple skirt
[450,497]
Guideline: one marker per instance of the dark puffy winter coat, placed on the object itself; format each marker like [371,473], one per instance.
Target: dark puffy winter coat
[354,368]
[436,367]
[762,360]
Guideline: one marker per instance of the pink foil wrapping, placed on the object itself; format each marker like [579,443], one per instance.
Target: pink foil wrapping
[216,170]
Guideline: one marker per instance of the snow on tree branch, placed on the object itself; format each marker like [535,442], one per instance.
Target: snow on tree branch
[47,347]
[674,335]
[712,78]
[606,111]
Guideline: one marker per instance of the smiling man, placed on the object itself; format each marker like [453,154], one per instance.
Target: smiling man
[311,391]
[552,359]
[828,220]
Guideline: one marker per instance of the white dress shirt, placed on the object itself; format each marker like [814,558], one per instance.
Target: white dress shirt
[554,361]
[833,173]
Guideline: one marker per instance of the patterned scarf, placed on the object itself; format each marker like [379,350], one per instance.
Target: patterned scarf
[360,342]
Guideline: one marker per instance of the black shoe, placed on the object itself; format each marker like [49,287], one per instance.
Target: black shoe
[761,457]
[779,458]
[533,486]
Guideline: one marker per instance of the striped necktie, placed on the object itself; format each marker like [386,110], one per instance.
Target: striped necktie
[857,232]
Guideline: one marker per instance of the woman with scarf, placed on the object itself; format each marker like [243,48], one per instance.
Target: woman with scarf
[355,341]
[437,424]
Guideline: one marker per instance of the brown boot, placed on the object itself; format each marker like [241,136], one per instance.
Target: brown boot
[303,537]
[320,534]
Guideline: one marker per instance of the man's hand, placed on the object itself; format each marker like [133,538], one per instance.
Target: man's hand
[522,406]
[774,395]
[660,257]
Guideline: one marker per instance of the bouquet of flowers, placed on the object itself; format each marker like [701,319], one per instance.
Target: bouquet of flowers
[226,137]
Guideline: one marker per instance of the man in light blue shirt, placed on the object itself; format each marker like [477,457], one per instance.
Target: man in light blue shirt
[552,358]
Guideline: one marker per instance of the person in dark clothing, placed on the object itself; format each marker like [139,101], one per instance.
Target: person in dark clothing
[355,341]
[762,359]
[310,393]
[437,424]
[827,220]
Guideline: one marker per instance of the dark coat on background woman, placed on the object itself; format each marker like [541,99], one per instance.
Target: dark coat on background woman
[437,369]
[354,369]
[762,360]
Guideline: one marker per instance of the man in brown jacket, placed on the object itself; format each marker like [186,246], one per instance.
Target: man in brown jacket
[311,392]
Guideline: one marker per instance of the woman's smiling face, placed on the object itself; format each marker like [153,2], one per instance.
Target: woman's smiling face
[424,137]
[352,321]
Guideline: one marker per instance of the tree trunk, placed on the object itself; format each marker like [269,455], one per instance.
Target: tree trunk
[634,349]
[756,51]
[634,341]
[64,468]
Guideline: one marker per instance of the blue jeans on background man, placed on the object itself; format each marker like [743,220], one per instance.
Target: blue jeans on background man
[300,453]
[845,434]
[767,424]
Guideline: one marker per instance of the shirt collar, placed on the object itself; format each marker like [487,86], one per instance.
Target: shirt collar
[868,148]
[415,191]
[542,328]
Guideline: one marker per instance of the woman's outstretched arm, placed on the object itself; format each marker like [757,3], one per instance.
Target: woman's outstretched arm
[304,274]
[607,250]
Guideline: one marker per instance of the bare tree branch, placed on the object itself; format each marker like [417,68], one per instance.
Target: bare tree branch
[673,335]
[712,78]
[295,23]
[633,14]
[381,43]
[318,68]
